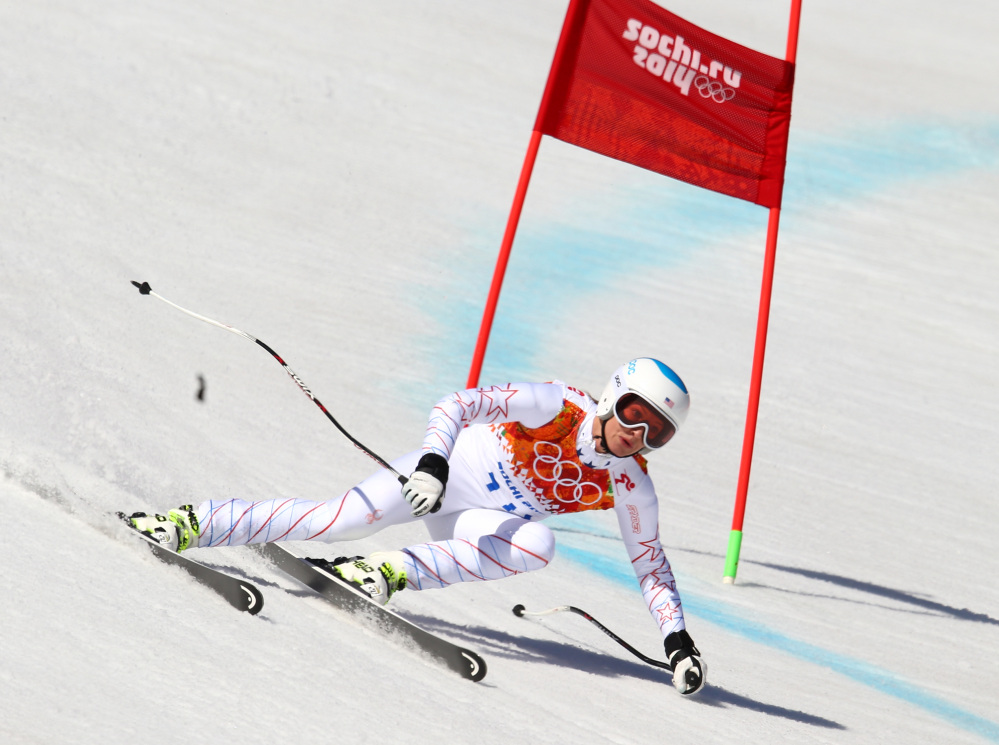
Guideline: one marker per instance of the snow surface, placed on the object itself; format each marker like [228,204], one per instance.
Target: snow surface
[334,179]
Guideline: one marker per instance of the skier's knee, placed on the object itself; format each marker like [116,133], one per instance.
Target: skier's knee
[536,543]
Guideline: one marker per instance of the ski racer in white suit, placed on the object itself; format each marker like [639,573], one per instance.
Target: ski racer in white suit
[509,456]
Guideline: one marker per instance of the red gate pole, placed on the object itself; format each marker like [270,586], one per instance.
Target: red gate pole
[756,380]
[503,260]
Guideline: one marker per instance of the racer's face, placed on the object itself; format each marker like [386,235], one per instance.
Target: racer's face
[620,441]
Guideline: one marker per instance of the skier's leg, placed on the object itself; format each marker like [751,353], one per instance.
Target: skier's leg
[483,544]
[365,509]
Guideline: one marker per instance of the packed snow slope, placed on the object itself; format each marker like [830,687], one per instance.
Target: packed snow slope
[334,179]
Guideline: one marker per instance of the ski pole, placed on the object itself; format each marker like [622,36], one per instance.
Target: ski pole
[520,611]
[145,289]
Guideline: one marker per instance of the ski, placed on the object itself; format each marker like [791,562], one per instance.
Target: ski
[463,661]
[240,594]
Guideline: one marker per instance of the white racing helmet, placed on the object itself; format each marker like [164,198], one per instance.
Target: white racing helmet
[657,396]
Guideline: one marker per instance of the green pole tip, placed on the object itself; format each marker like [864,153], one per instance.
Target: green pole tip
[732,557]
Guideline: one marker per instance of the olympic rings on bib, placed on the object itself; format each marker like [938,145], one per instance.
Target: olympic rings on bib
[566,475]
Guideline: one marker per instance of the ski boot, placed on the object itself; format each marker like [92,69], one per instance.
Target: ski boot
[380,575]
[177,530]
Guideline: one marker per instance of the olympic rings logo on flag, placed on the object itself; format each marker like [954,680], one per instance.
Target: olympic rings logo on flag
[566,476]
[712,89]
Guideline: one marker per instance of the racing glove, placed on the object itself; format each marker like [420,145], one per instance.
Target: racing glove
[689,670]
[424,490]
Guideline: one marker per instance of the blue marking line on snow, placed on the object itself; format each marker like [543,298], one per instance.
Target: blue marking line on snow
[719,614]
[658,224]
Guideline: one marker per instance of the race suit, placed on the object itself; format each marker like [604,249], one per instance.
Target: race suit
[518,453]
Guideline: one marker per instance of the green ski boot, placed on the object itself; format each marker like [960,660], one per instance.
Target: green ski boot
[177,530]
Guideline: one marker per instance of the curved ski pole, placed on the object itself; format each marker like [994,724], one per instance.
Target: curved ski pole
[145,289]
[520,611]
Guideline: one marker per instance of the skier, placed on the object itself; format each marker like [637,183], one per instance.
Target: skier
[509,456]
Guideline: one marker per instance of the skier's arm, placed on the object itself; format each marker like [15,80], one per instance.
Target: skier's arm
[532,404]
[638,516]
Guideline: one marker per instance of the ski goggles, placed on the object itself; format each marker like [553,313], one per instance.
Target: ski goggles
[631,410]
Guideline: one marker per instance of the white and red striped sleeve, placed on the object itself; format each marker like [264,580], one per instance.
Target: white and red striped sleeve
[532,404]
[638,516]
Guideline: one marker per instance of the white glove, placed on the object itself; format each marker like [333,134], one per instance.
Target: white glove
[425,488]
[690,671]
[424,492]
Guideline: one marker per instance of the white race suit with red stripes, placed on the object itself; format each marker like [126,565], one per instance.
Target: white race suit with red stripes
[518,453]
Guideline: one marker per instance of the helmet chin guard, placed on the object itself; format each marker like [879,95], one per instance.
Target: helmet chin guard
[653,381]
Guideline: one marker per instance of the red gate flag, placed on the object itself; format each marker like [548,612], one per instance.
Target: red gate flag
[640,84]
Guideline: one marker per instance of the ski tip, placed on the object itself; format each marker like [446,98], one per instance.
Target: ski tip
[476,666]
[144,288]
[519,610]
[254,600]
